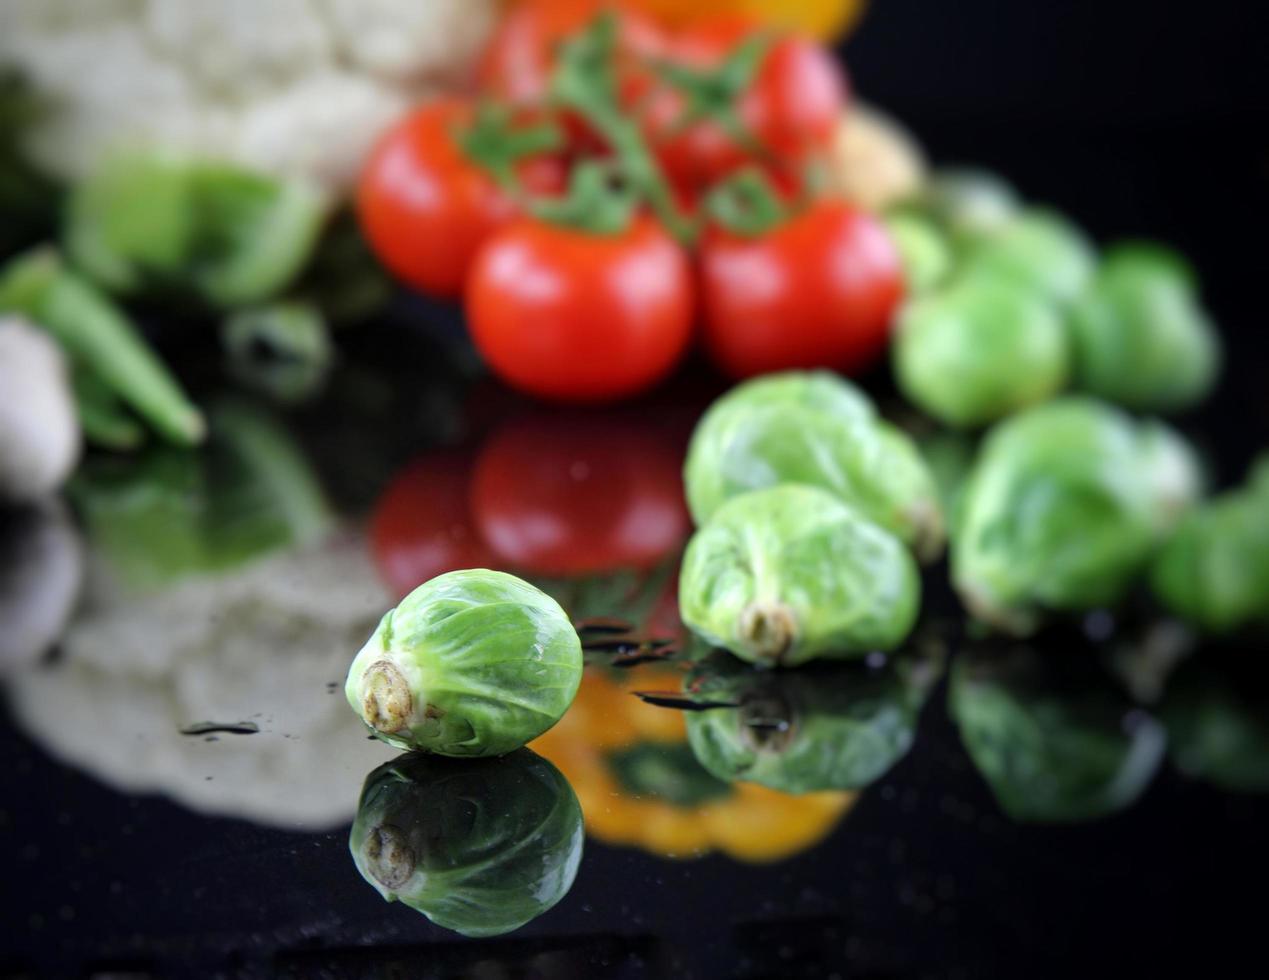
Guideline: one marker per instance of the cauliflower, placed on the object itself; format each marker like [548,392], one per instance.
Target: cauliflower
[269,645]
[293,87]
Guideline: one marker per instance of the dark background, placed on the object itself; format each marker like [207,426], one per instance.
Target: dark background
[1135,118]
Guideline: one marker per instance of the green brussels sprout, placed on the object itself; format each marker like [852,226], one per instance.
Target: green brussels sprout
[1214,571]
[968,204]
[478,846]
[833,727]
[788,574]
[1063,508]
[1140,336]
[1039,250]
[979,351]
[816,429]
[471,663]
[1051,735]
[1218,722]
[923,251]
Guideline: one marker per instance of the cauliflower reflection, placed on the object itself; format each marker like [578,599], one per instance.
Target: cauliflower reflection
[266,645]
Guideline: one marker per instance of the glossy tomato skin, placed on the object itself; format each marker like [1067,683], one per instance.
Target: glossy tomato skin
[425,208]
[516,64]
[791,109]
[568,315]
[422,527]
[579,494]
[817,291]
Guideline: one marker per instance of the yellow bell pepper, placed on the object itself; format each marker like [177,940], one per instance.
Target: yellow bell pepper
[824,19]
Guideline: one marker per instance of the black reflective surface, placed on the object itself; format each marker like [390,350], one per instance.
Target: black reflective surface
[182,773]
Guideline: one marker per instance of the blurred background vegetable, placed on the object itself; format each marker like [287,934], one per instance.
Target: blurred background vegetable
[39,433]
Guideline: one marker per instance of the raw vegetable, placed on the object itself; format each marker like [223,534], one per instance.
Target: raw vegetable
[442,180]
[1053,738]
[472,663]
[1063,509]
[1216,717]
[1140,335]
[816,429]
[731,93]
[1214,571]
[422,524]
[224,234]
[923,250]
[817,289]
[479,847]
[1037,249]
[789,574]
[283,349]
[572,496]
[41,569]
[260,645]
[640,785]
[293,88]
[874,162]
[818,728]
[39,434]
[170,513]
[968,205]
[99,339]
[978,351]
[824,19]
[575,315]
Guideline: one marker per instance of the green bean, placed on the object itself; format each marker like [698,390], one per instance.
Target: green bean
[99,337]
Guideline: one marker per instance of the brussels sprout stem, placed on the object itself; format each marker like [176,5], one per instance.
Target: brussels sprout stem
[769,628]
[386,701]
[389,856]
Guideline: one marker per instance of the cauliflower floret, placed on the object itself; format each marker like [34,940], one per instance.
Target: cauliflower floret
[240,47]
[876,162]
[299,87]
[435,42]
[323,126]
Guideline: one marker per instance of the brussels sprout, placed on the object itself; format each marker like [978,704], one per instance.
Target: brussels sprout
[1139,335]
[1039,250]
[478,846]
[979,351]
[968,203]
[821,728]
[923,250]
[815,429]
[1218,721]
[1062,509]
[789,574]
[1051,735]
[1214,571]
[471,663]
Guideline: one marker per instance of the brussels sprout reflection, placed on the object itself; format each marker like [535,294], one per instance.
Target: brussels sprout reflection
[1216,710]
[478,846]
[834,727]
[1050,733]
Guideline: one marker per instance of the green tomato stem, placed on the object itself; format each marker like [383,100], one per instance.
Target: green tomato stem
[585,83]
[593,204]
[746,204]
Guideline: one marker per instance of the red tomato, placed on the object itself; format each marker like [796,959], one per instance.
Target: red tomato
[421,526]
[516,65]
[574,316]
[817,291]
[791,110]
[579,494]
[425,208]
